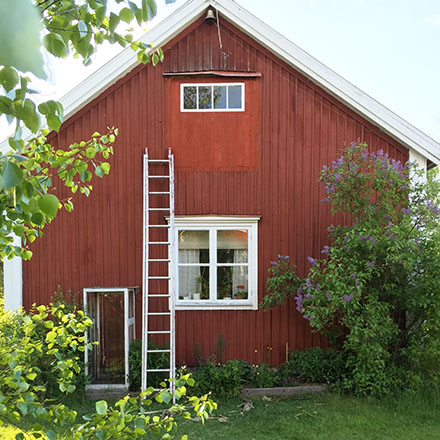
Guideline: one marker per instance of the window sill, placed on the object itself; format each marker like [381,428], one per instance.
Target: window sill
[236,304]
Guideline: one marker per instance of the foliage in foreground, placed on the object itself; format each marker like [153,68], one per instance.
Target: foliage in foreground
[29,29]
[43,349]
[376,285]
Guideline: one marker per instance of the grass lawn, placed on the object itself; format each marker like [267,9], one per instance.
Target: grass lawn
[325,417]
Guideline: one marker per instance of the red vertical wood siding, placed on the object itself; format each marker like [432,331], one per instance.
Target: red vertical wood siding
[298,130]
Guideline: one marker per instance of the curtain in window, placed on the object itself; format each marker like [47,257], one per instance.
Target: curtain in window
[188,275]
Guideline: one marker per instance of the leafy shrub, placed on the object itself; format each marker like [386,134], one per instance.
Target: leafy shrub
[222,380]
[318,365]
[155,361]
[377,281]
[263,376]
[54,339]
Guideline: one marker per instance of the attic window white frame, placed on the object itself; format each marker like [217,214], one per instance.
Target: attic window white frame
[212,109]
[213,224]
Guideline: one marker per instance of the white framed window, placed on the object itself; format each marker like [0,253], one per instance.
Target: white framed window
[216,265]
[212,97]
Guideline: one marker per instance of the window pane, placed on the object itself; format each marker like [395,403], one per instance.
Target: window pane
[190,98]
[234,97]
[193,246]
[232,281]
[232,246]
[205,93]
[219,96]
[194,282]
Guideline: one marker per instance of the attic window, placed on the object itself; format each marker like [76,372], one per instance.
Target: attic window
[214,97]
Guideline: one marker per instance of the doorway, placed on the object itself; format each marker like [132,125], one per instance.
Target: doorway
[112,311]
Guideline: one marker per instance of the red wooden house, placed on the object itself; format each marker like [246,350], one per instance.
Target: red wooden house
[251,119]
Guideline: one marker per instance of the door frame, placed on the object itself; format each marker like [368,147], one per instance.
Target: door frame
[128,322]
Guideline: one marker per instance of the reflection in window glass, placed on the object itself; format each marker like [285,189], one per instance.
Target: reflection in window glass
[232,246]
[213,97]
[234,97]
[232,282]
[190,98]
[193,247]
[205,97]
[219,96]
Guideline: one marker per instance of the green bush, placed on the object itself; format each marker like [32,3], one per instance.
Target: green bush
[317,365]
[222,380]
[376,283]
[263,376]
[155,361]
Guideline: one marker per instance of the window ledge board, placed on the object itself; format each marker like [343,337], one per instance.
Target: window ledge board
[216,73]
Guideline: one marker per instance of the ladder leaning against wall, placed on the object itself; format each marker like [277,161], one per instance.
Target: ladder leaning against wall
[158,317]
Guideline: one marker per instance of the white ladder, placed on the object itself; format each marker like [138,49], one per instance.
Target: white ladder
[153,235]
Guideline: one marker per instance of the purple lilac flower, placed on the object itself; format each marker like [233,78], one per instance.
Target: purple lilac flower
[373,240]
[331,228]
[329,297]
[364,154]
[325,200]
[346,239]
[417,240]
[406,211]
[325,250]
[311,261]
[337,177]
[308,296]
[308,284]
[273,263]
[348,298]
[318,286]
[370,263]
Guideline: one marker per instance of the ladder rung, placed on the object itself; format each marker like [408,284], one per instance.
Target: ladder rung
[159,209]
[158,177]
[158,332]
[158,226]
[158,242]
[159,260]
[159,295]
[158,160]
[157,370]
[159,278]
[159,351]
[158,193]
[158,313]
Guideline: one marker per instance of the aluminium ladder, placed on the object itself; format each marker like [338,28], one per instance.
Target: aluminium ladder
[158,303]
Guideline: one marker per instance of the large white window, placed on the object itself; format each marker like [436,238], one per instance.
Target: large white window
[213,97]
[216,262]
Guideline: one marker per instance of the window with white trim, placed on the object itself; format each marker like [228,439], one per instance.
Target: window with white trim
[216,262]
[212,97]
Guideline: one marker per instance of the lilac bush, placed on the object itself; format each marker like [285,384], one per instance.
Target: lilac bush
[376,284]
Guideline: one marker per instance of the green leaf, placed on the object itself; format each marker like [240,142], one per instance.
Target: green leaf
[99,171]
[101,407]
[20,28]
[53,110]
[19,436]
[113,22]
[126,15]
[166,396]
[49,204]
[8,78]
[51,435]
[37,218]
[55,44]
[12,175]
[105,166]
[26,111]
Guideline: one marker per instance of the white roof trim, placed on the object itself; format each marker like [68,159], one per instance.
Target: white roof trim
[341,89]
